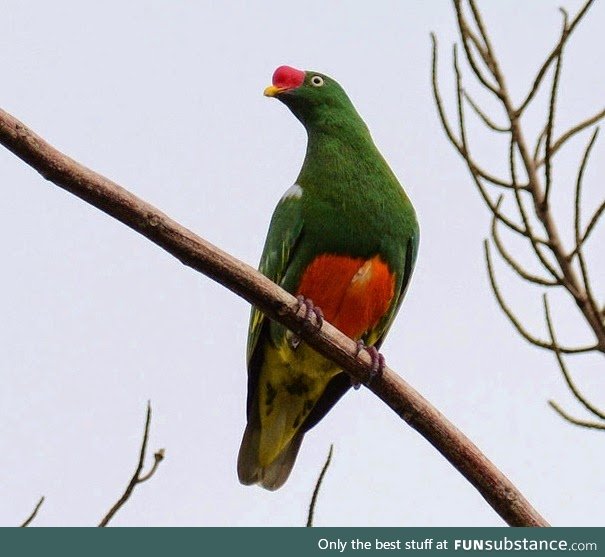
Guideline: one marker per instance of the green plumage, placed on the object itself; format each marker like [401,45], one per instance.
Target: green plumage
[347,203]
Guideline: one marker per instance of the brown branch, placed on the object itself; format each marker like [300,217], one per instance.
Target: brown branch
[279,305]
[568,276]
[33,514]
[320,480]
[137,478]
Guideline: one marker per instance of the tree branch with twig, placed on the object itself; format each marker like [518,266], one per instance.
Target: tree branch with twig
[529,182]
[138,477]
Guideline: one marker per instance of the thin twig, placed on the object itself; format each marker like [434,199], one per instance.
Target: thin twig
[578,248]
[554,53]
[31,517]
[467,35]
[320,480]
[278,305]
[557,350]
[515,320]
[582,423]
[551,114]
[530,234]
[486,119]
[513,263]
[593,221]
[137,478]
[568,135]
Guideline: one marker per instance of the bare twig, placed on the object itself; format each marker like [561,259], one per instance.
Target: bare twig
[320,480]
[568,135]
[277,304]
[572,386]
[549,251]
[554,53]
[513,263]
[578,249]
[592,223]
[33,514]
[515,320]
[551,113]
[137,478]
[582,423]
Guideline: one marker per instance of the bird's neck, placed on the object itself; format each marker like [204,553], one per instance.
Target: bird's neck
[336,150]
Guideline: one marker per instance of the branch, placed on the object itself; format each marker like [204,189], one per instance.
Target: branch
[515,320]
[554,53]
[582,423]
[31,517]
[572,386]
[137,478]
[277,304]
[317,488]
[566,136]
[513,263]
[486,119]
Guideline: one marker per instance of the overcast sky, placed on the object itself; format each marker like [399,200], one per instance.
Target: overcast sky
[166,99]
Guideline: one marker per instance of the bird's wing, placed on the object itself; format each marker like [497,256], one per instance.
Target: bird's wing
[411,253]
[284,232]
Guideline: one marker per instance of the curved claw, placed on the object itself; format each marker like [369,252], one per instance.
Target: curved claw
[378,362]
[309,309]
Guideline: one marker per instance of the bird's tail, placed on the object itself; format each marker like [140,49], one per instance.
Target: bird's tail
[273,475]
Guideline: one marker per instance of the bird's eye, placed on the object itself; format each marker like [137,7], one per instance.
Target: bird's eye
[317,81]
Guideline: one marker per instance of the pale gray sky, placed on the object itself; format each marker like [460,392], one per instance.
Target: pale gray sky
[166,98]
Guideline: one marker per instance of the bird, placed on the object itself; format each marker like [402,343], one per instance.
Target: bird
[343,239]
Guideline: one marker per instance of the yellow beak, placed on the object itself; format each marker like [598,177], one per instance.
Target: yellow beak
[272,90]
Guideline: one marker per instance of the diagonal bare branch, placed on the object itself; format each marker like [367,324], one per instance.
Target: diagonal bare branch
[593,222]
[515,320]
[551,114]
[467,36]
[486,119]
[557,350]
[513,263]
[551,57]
[475,169]
[568,417]
[33,514]
[530,234]
[568,135]
[578,247]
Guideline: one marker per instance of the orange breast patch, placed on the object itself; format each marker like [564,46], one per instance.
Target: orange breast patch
[353,293]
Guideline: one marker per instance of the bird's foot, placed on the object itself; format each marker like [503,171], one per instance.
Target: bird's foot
[378,362]
[308,309]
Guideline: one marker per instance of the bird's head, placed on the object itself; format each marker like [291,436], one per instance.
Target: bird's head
[314,98]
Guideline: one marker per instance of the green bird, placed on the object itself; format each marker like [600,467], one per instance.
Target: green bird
[343,238]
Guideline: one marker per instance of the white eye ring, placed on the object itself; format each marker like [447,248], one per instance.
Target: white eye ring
[317,81]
